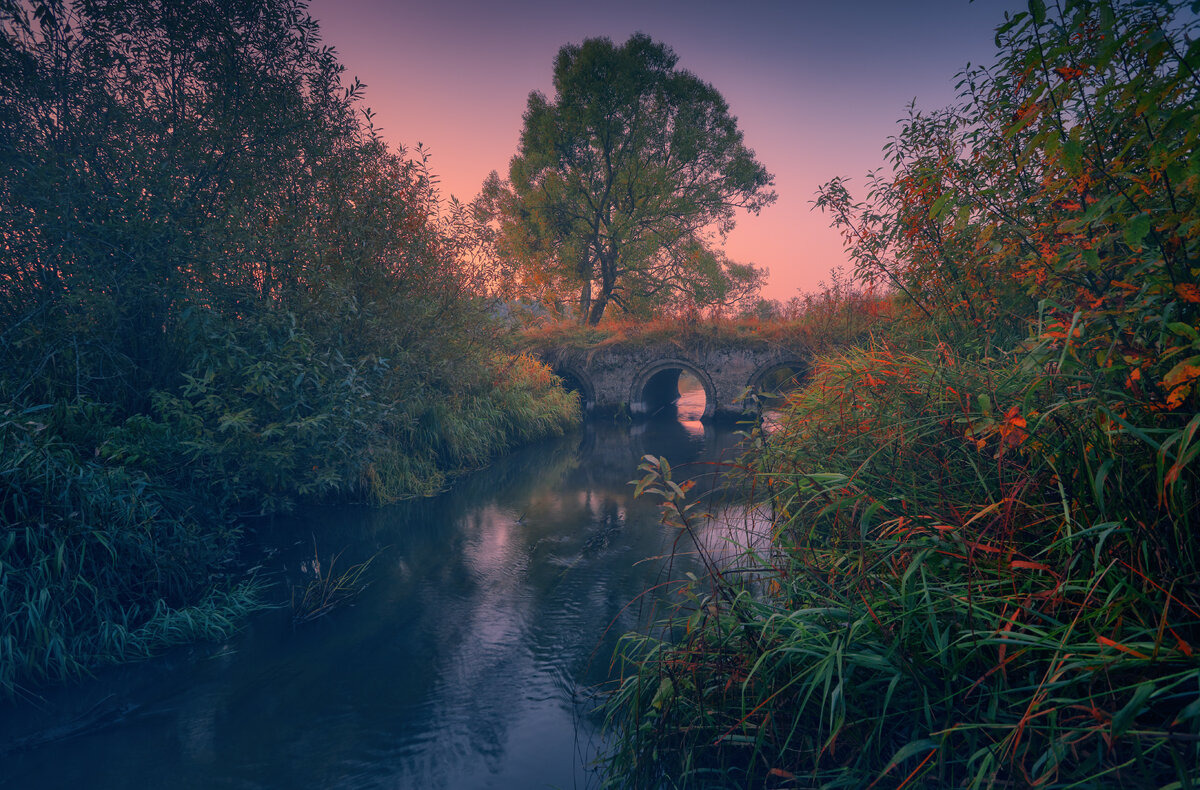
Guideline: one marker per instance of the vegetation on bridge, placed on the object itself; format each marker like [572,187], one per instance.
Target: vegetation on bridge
[984,569]
[839,314]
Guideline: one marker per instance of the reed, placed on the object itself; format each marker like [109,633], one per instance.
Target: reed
[327,589]
[521,401]
[975,582]
[99,563]
[984,569]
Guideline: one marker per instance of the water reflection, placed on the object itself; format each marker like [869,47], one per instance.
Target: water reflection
[492,612]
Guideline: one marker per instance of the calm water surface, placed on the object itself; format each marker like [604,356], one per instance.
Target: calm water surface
[469,662]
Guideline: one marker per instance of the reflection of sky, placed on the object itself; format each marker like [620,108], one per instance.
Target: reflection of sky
[691,403]
[732,529]
[492,611]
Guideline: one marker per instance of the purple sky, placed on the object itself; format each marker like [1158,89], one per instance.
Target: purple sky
[817,86]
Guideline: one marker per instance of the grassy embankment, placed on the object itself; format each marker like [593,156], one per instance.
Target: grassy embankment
[120,536]
[984,568]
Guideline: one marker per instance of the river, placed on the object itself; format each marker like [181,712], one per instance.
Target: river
[471,660]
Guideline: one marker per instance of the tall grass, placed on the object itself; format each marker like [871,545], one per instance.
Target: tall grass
[99,563]
[830,318]
[118,537]
[117,540]
[979,579]
[985,570]
[434,440]
[327,589]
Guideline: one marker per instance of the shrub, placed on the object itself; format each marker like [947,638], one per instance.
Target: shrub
[984,569]
[99,562]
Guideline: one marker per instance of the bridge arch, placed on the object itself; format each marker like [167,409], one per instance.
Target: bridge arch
[576,379]
[784,373]
[657,385]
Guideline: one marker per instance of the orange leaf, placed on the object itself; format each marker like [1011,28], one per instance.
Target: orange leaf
[782,774]
[1068,73]
[1189,292]
[1178,380]
[1104,640]
[1033,566]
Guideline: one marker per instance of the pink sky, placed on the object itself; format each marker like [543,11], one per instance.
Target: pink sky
[817,87]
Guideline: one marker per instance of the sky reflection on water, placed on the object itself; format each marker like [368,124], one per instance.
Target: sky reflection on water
[469,662]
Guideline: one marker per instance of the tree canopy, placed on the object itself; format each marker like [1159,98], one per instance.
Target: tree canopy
[621,183]
[220,293]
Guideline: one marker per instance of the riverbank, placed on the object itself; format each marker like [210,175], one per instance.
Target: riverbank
[984,569]
[121,538]
[965,586]
[217,302]
[472,658]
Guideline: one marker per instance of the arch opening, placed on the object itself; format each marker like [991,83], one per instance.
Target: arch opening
[773,382]
[661,391]
[673,388]
[574,381]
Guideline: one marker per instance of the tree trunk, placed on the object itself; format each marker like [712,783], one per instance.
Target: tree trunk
[608,281]
[584,269]
[597,312]
[585,301]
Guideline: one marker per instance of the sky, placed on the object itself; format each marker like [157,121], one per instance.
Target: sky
[817,87]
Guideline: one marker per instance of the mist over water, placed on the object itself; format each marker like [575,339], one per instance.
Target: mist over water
[472,660]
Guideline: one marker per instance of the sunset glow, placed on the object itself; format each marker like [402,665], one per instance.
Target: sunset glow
[817,88]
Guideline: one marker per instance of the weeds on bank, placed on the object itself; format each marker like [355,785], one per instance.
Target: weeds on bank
[98,562]
[436,439]
[119,540]
[984,570]
[833,317]
[977,580]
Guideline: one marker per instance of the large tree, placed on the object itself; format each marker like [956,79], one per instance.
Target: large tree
[623,181]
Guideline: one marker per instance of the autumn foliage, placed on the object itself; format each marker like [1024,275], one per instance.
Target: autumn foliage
[1063,191]
[984,569]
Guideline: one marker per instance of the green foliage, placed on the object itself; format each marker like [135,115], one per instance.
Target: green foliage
[617,181]
[154,155]
[236,297]
[99,562]
[264,419]
[522,402]
[262,416]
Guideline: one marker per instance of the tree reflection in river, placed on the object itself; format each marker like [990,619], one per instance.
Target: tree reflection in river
[469,662]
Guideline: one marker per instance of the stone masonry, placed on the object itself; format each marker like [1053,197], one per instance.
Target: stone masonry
[642,379]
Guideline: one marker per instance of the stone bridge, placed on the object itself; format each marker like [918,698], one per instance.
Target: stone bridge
[643,378]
